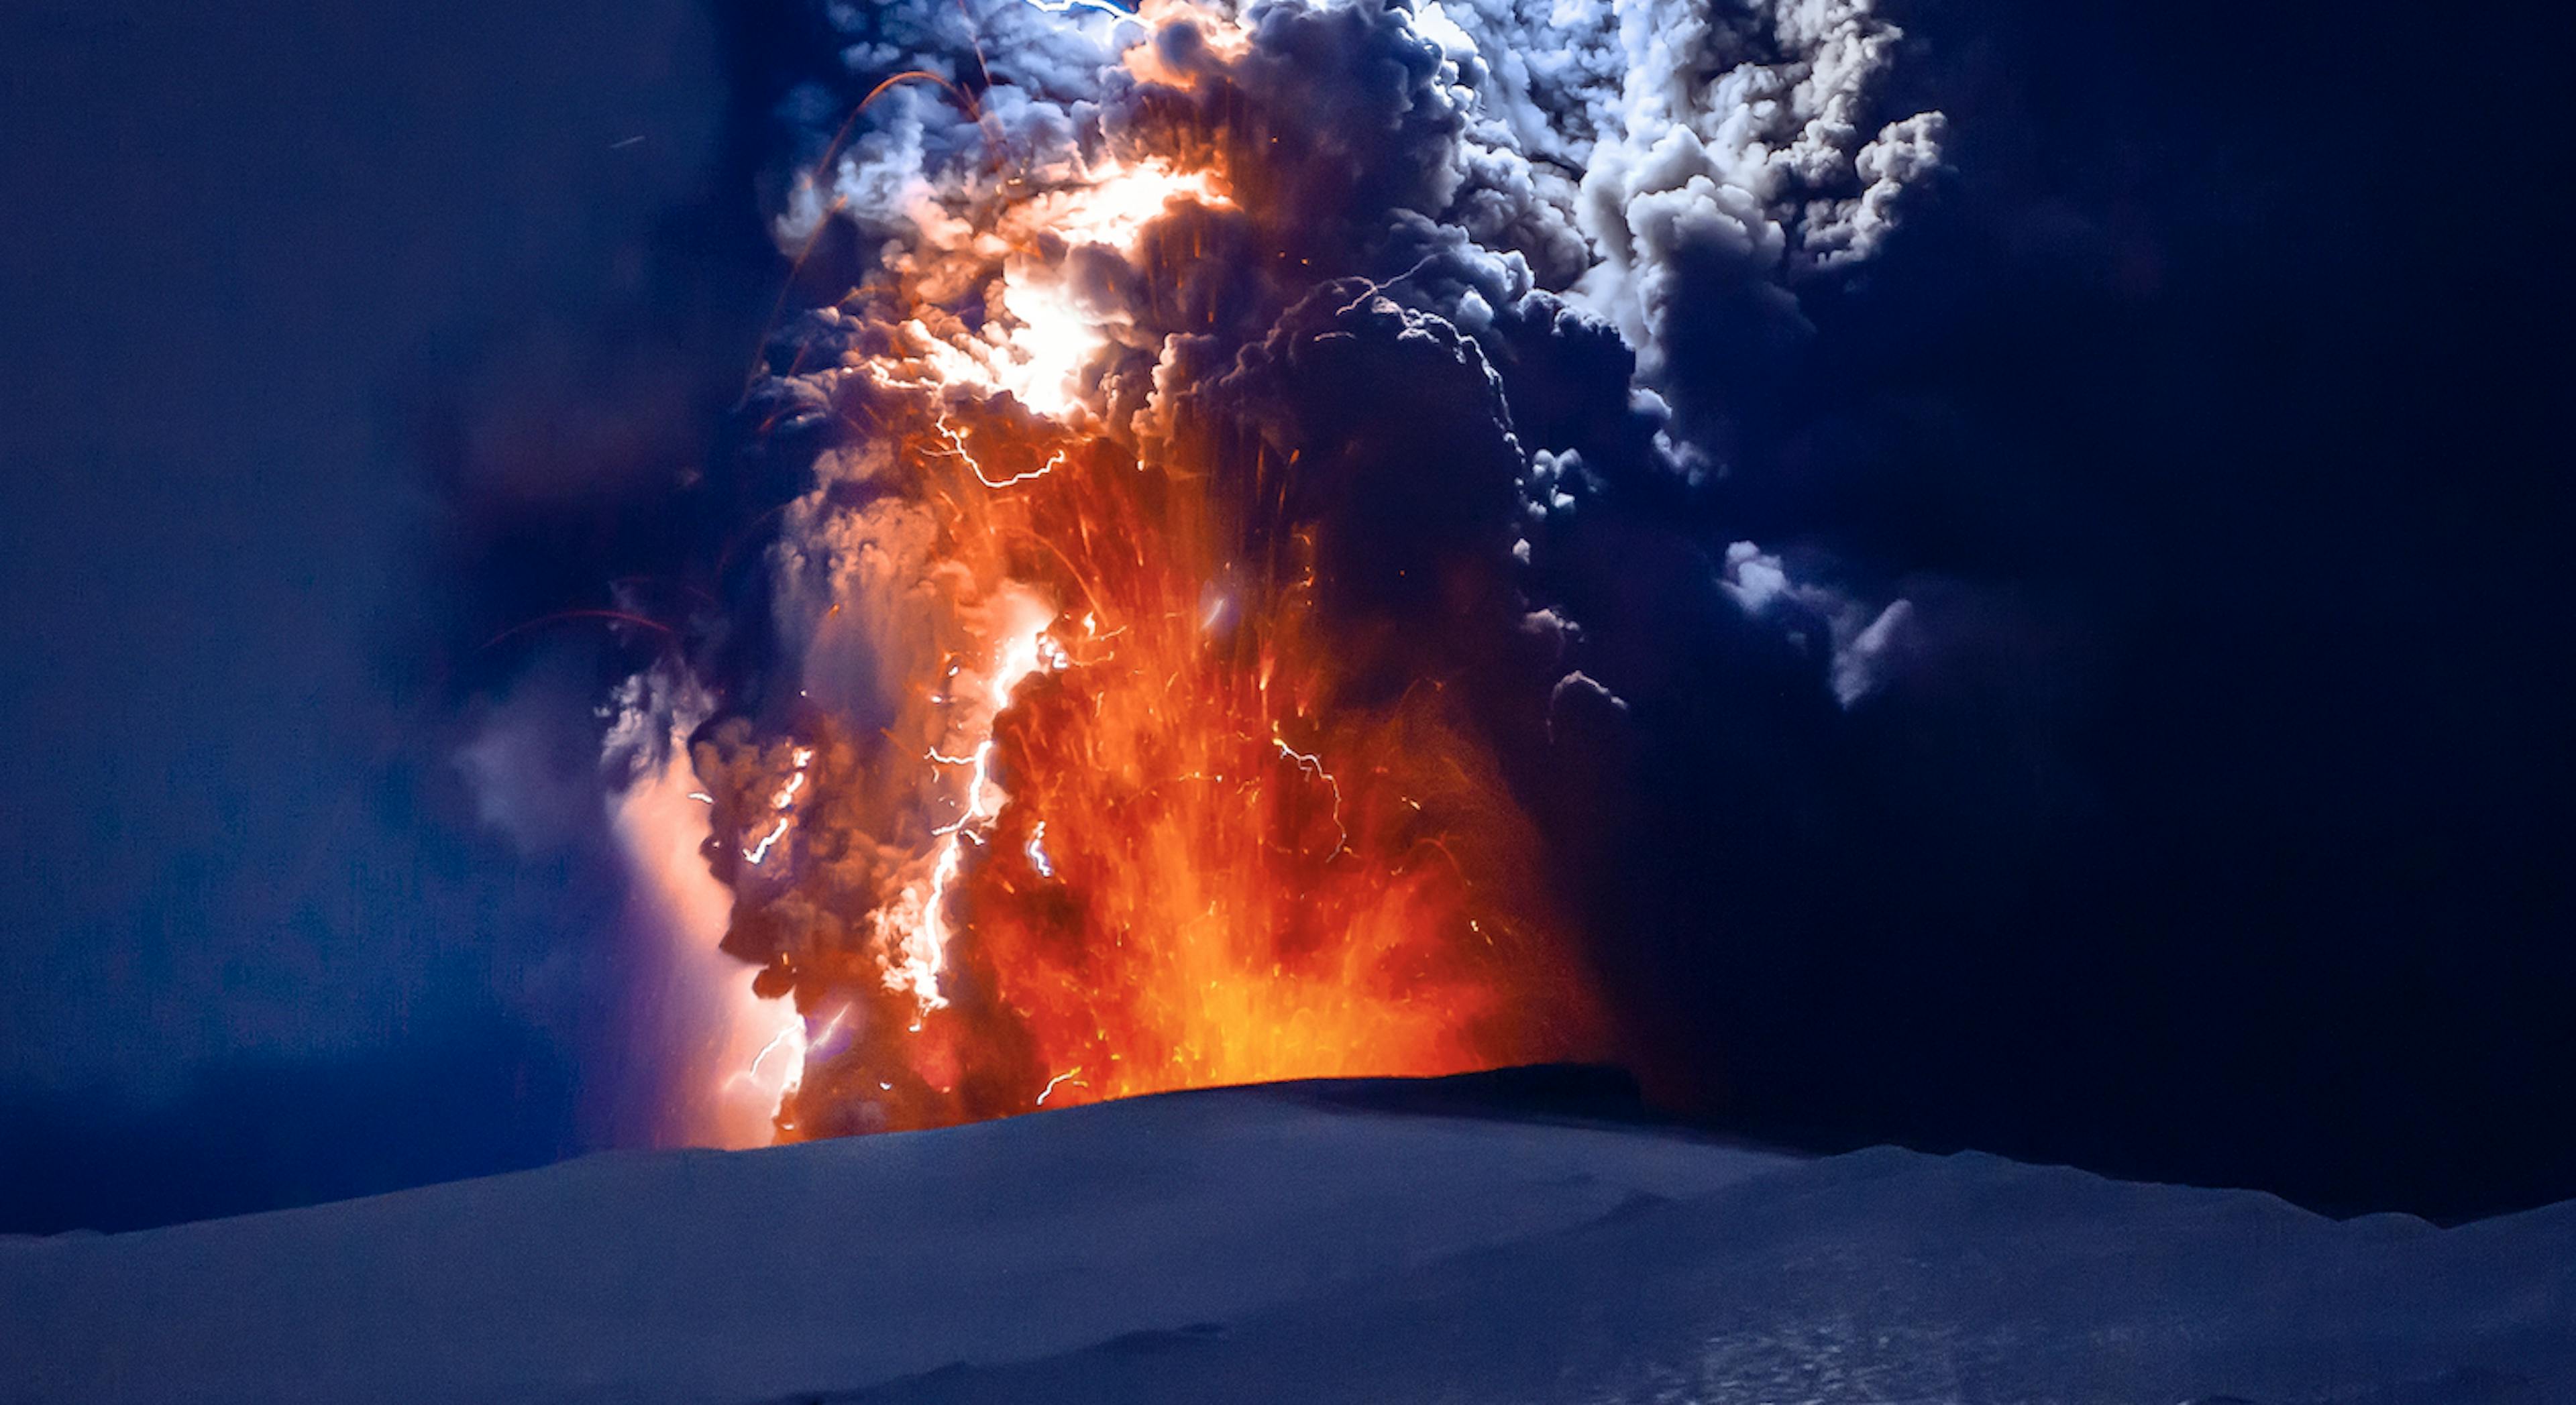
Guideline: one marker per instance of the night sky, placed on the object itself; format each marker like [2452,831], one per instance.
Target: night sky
[2208,409]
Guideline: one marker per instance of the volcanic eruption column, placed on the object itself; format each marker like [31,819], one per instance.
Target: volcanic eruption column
[1115,707]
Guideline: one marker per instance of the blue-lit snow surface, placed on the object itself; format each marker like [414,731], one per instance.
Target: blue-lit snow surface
[1267,1245]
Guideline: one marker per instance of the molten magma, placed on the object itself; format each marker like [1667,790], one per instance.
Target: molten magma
[1096,812]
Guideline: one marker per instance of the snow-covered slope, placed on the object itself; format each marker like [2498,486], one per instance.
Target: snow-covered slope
[1885,1277]
[740,1276]
[1294,1245]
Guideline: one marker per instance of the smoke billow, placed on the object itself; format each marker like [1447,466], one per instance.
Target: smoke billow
[1156,557]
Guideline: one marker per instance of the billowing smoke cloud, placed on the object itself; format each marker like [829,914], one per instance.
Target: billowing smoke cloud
[1930,687]
[1283,348]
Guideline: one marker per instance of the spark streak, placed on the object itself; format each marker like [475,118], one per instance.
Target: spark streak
[791,1045]
[1058,1080]
[957,449]
[784,799]
[1314,765]
[759,852]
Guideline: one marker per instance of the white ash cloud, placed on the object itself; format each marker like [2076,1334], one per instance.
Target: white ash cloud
[1857,640]
[1524,172]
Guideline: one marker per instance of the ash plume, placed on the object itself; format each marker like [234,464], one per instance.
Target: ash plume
[1285,352]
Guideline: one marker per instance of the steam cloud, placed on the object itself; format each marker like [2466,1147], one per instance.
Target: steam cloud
[1470,265]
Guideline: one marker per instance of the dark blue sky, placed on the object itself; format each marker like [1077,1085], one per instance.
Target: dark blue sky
[2222,388]
[2228,361]
[240,903]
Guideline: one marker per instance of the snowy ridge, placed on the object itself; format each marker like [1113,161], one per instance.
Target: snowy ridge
[1289,1245]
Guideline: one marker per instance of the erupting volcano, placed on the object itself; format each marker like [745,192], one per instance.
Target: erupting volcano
[1117,697]
[1098,806]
